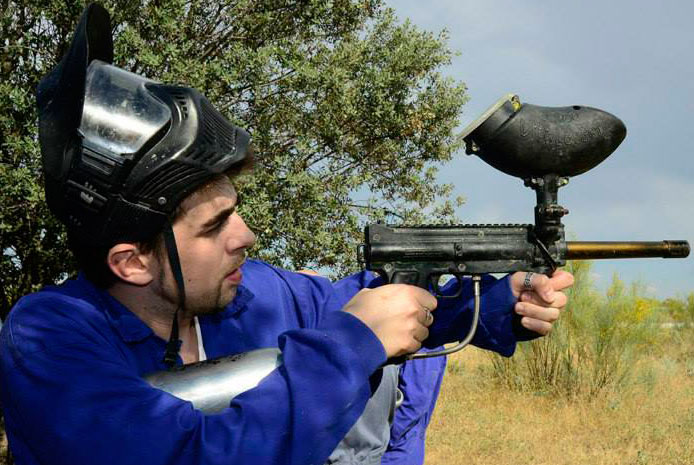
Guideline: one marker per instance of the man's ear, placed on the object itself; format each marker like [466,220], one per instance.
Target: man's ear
[128,263]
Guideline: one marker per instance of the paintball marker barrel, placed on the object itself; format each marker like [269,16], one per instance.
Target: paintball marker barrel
[576,250]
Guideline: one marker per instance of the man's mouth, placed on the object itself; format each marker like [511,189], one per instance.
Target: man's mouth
[235,276]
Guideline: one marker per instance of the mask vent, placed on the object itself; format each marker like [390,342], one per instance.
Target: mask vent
[217,136]
[182,101]
[168,176]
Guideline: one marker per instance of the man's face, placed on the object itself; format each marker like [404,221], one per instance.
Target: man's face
[212,240]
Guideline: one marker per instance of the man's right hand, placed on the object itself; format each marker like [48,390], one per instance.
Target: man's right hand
[399,315]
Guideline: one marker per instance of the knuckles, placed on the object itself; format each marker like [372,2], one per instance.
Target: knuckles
[394,313]
[541,281]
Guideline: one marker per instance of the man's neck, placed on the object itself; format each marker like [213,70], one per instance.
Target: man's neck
[157,314]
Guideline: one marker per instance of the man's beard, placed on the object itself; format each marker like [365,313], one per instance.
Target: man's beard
[210,306]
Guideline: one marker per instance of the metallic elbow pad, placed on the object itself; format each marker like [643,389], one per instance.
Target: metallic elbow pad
[210,385]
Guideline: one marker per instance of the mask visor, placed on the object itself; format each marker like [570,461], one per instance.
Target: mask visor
[119,115]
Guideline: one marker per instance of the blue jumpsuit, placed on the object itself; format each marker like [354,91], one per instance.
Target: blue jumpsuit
[72,360]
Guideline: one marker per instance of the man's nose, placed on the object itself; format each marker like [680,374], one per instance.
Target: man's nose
[241,235]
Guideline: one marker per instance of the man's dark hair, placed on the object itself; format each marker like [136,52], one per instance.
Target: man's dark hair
[91,260]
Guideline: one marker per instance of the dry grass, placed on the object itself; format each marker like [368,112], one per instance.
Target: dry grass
[651,421]
[3,444]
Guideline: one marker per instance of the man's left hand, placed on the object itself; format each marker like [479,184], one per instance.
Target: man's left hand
[540,298]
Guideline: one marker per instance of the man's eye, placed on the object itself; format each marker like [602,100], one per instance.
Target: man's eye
[218,226]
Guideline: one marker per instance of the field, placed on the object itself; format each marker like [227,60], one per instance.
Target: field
[612,384]
[648,420]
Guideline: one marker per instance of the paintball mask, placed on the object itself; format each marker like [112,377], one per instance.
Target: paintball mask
[120,151]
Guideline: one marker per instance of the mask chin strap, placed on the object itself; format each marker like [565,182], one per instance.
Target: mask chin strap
[174,343]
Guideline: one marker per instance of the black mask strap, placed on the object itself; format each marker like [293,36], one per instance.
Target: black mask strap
[174,343]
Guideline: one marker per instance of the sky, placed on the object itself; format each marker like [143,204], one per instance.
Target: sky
[630,58]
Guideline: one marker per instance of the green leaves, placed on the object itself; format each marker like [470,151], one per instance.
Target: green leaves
[347,108]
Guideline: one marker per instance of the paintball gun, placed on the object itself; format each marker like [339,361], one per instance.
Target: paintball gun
[543,146]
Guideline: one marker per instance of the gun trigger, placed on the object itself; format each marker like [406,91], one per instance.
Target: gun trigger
[434,283]
[545,252]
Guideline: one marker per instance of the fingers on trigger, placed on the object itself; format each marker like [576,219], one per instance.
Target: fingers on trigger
[561,280]
[542,286]
[428,318]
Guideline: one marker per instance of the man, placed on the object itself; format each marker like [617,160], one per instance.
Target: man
[139,173]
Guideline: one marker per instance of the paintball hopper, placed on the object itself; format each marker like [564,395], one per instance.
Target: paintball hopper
[530,141]
[545,146]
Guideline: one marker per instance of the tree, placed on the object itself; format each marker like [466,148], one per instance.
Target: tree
[348,112]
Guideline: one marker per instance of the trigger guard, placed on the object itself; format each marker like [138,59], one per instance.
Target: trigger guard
[458,293]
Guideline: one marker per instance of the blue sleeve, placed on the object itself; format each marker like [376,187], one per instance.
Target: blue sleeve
[420,381]
[70,397]
[497,329]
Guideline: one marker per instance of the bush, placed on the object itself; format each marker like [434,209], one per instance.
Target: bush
[681,310]
[592,348]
